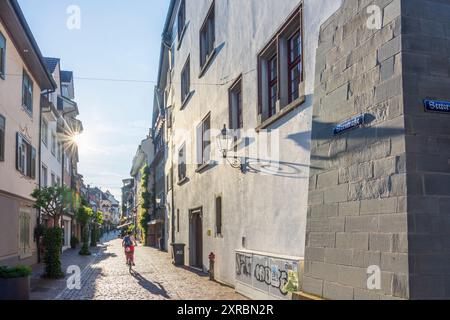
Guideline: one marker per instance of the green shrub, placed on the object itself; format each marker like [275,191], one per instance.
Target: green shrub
[15,272]
[53,239]
[85,238]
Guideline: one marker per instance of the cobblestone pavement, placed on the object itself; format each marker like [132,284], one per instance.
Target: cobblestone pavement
[105,276]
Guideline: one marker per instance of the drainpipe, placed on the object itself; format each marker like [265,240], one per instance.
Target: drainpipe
[38,240]
[173,195]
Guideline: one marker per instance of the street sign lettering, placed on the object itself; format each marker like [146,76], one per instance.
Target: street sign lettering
[349,124]
[437,106]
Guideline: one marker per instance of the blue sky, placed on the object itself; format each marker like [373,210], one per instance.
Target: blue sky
[118,39]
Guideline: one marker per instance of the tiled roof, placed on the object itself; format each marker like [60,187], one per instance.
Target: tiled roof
[66,76]
[51,63]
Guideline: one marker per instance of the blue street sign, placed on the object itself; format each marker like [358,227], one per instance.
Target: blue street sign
[349,124]
[437,106]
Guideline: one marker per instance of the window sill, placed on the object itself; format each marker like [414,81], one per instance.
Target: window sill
[186,100]
[207,63]
[183,181]
[25,176]
[181,37]
[27,111]
[203,167]
[282,113]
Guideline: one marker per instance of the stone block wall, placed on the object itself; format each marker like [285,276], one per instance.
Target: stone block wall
[380,194]
[426,74]
[357,214]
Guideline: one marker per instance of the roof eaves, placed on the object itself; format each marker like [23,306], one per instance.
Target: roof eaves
[33,42]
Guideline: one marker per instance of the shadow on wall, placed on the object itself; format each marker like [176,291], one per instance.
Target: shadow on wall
[278,168]
[351,140]
[218,49]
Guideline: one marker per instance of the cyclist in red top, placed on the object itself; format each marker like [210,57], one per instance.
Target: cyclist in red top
[129,243]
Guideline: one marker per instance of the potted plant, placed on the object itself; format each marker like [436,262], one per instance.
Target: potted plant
[74,242]
[15,283]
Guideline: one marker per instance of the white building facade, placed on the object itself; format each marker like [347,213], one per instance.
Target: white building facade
[251,66]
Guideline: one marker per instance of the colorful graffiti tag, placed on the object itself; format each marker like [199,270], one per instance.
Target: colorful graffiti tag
[265,273]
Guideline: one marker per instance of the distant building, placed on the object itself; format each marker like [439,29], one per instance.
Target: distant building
[59,152]
[142,160]
[127,198]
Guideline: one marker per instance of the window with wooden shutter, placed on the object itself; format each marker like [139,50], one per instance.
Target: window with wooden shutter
[32,163]
[2,137]
[20,165]
[2,56]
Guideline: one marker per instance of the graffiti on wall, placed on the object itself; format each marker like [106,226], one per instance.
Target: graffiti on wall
[243,265]
[272,276]
[265,273]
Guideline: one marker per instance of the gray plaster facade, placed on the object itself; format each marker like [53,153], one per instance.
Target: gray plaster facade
[378,195]
[262,211]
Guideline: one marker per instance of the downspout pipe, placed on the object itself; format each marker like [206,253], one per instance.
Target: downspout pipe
[39,218]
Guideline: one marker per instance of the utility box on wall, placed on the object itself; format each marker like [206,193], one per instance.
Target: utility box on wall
[265,276]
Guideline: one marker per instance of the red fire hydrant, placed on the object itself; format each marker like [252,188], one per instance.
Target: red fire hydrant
[212,259]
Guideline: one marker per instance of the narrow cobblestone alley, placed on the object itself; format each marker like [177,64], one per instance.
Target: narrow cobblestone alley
[105,276]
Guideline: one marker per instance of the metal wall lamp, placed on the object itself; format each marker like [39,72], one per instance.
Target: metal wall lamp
[226,142]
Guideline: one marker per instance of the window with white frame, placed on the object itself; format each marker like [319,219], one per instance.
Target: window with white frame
[44,132]
[280,68]
[204,142]
[65,90]
[44,176]
[27,92]
[53,145]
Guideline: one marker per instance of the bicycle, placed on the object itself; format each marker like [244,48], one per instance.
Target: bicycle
[129,255]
